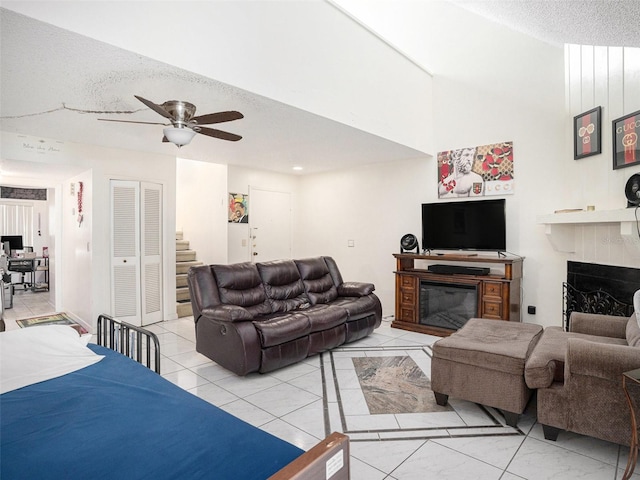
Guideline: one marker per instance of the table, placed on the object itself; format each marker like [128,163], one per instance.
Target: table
[30,266]
[631,377]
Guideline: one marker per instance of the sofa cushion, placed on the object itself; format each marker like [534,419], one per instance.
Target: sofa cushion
[283,285]
[546,363]
[494,344]
[633,332]
[240,284]
[357,307]
[281,328]
[317,280]
[323,317]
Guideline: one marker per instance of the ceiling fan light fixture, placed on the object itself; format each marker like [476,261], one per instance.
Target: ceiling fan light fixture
[179,136]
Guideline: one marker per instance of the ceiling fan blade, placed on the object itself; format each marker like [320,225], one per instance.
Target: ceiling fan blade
[154,107]
[218,117]
[132,121]
[212,132]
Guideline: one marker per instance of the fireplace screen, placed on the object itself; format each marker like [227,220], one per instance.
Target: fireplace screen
[596,288]
[596,301]
[447,306]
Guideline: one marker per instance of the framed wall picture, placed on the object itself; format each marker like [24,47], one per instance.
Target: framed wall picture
[238,208]
[587,134]
[478,171]
[626,149]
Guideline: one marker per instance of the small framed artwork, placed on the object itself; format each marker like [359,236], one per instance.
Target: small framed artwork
[626,150]
[238,208]
[587,134]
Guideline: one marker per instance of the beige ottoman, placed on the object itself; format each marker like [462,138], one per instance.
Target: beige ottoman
[483,362]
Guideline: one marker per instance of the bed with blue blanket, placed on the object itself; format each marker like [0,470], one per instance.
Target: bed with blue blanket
[113,418]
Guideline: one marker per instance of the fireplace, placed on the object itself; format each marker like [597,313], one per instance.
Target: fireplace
[447,305]
[595,288]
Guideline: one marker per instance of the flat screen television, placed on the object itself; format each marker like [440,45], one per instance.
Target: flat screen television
[15,241]
[464,225]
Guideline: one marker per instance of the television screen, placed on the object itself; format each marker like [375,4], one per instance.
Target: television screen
[15,241]
[466,225]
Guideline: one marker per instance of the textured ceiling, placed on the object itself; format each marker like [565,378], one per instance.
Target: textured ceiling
[69,81]
[54,83]
[581,22]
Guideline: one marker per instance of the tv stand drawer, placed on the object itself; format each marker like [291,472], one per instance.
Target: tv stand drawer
[492,309]
[493,289]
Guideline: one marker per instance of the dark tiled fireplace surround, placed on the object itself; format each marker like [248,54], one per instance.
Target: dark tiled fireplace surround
[595,288]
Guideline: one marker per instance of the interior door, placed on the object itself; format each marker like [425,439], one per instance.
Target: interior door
[151,252]
[136,257]
[125,251]
[270,221]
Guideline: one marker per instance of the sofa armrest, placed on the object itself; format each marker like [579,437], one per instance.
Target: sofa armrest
[601,360]
[355,289]
[600,325]
[227,313]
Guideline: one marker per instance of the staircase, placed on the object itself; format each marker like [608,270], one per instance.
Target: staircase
[185,259]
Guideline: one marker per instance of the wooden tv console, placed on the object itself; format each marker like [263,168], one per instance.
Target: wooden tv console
[498,292]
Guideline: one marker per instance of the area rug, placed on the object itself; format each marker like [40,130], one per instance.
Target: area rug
[395,385]
[51,319]
[384,393]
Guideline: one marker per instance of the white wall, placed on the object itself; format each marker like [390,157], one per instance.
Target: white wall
[241,180]
[201,208]
[374,206]
[608,77]
[83,254]
[491,84]
[75,251]
[303,53]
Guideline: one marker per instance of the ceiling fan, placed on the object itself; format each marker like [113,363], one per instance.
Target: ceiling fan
[184,125]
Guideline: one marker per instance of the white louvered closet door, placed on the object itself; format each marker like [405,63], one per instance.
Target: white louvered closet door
[136,257]
[151,252]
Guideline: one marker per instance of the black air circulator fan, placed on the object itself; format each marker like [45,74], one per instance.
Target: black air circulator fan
[632,191]
[409,242]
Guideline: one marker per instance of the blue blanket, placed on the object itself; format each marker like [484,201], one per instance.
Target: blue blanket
[118,420]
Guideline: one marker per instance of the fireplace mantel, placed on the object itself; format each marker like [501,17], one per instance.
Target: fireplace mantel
[560,227]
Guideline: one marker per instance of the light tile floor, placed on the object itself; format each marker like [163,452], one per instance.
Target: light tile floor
[289,404]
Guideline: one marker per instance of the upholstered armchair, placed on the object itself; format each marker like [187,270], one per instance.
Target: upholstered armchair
[578,375]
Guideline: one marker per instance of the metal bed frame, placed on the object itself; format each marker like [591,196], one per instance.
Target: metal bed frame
[328,458]
[129,340]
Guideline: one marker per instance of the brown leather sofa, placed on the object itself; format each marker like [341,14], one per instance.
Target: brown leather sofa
[261,317]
